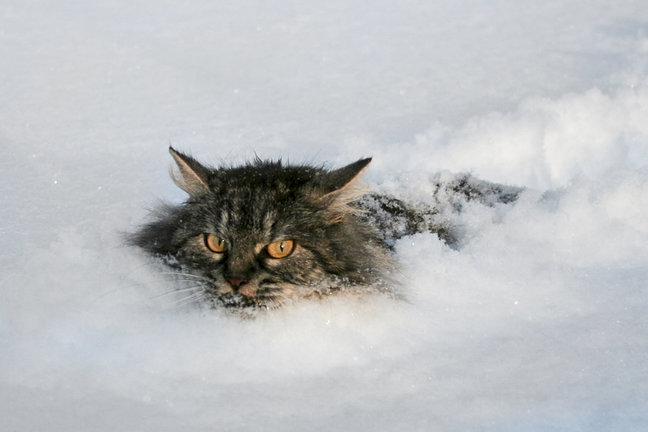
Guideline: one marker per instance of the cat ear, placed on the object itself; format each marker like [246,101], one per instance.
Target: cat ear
[340,187]
[191,176]
[338,180]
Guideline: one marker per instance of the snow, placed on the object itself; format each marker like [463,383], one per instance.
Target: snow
[538,323]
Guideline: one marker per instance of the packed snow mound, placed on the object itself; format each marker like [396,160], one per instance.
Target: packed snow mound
[545,143]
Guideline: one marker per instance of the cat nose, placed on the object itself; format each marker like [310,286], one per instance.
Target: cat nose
[236,282]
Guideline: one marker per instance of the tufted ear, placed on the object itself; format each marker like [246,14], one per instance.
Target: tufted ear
[340,187]
[339,179]
[191,176]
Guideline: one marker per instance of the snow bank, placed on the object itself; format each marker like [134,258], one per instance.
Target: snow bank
[537,323]
[547,143]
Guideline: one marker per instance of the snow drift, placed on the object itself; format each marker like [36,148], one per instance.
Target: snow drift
[537,323]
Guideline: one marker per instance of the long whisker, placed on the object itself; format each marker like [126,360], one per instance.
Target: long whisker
[185,301]
[274,303]
[187,275]
[177,291]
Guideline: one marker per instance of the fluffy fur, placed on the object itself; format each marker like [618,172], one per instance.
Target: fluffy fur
[342,236]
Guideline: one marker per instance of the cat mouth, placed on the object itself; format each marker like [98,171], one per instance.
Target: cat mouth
[262,299]
[265,294]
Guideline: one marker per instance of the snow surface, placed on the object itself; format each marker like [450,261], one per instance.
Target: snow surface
[539,323]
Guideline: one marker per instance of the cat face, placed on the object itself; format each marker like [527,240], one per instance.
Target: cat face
[263,233]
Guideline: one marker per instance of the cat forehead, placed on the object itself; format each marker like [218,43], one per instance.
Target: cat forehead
[245,196]
[265,174]
[253,218]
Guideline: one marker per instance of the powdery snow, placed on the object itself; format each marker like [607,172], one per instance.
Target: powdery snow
[538,323]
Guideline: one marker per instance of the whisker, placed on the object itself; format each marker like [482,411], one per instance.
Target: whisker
[187,300]
[265,290]
[187,275]
[268,281]
[177,291]
[273,303]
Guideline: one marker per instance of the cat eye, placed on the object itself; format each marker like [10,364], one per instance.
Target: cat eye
[215,244]
[280,249]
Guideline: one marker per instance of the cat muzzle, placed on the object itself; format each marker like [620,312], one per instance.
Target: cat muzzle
[236,283]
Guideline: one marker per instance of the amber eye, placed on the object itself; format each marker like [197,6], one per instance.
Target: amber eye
[215,244]
[280,249]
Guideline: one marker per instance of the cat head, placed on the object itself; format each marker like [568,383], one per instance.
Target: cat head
[265,232]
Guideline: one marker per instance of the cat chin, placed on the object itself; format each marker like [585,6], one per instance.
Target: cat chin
[252,298]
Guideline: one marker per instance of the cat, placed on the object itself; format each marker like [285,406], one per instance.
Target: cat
[264,233]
